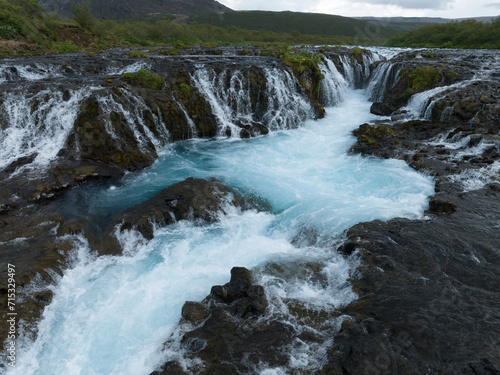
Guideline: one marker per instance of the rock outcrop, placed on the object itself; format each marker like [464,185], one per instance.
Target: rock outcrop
[192,199]
[229,330]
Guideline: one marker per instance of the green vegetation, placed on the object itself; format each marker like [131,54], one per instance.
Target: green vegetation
[186,90]
[82,15]
[464,34]
[22,17]
[305,67]
[423,77]
[144,78]
[35,32]
[294,23]
[26,22]
[373,134]
[300,61]
[138,54]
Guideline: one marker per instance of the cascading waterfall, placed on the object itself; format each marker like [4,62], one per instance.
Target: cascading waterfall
[378,84]
[135,118]
[37,124]
[333,86]
[230,105]
[111,314]
[28,72]
[287,108]
[421,104]
[229,98]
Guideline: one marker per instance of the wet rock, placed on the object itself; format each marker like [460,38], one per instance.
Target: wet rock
[192,199]
[234,338]
[428,294]
[440,207]
[417,75]
[245,298]
[29,241]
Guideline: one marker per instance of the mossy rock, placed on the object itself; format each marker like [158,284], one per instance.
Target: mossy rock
[145,78]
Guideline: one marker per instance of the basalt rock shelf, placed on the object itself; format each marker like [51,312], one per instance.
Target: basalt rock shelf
[428,289]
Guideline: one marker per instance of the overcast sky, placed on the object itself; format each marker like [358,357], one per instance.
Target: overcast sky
[376,8]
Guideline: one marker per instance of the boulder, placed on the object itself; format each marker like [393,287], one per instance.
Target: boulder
[191,199]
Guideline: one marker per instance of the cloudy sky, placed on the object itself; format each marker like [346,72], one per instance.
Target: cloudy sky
[377,8]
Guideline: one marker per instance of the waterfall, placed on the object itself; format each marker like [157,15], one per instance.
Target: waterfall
[230,97]
[28,72]
[111,314]
[230,101]
[420,105]
[378,84]
[287,107]
[334,85]
[133,113]
[36,124]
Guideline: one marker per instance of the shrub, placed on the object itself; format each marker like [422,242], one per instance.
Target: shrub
[82,15]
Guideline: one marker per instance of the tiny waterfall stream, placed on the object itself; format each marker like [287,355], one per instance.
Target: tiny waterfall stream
[111,314]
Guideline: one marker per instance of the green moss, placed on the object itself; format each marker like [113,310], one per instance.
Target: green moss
[357,52]
[186,90]
[450,75]
[180,45]
[138,54]
[300,61]
[421,79]
[145,78]
[173,52]
[66,47]
[267,52]
[244,52]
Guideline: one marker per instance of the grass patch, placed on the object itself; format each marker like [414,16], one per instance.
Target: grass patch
[145,78]
[422,78]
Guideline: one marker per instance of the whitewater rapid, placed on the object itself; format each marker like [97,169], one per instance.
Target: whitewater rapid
[111,314]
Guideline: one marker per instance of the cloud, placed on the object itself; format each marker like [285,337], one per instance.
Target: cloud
[492,5]
[415,4]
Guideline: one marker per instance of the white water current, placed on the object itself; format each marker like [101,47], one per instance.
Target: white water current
[111,314]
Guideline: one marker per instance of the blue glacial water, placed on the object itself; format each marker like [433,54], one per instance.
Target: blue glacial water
[111,315]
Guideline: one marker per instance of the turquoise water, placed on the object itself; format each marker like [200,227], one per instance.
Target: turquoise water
[110,315]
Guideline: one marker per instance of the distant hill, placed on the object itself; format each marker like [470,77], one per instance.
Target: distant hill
[404,24]
[127,9]
[468,33]
[288,22]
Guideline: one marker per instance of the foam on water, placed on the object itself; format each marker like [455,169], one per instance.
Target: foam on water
[28,72]
[474,179]
[110,315]
[38,123]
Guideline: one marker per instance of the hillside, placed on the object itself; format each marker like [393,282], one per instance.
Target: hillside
[463,34]
[289,22]
[405,24]
[122,9]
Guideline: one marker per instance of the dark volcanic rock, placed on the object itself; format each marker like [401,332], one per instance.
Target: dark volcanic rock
[192,199]
[234,335]
[412,74]
[428,294]
[428,289]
